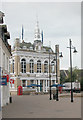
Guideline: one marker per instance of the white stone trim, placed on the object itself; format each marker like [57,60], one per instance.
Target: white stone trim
[23,58]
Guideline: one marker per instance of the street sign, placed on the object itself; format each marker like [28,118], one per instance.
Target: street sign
[3,81]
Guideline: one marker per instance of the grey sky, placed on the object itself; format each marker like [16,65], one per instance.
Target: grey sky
[59,21]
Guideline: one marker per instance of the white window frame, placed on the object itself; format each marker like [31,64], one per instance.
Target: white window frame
[46,67]
[31,66]
[23,65]
[52,67]
[38,66]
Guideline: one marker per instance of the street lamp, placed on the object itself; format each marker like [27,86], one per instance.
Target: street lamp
[71,47]
[55,59]
[50,76]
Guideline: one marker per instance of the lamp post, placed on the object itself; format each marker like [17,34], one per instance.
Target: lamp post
[55,59]
[71,47]
[50,76]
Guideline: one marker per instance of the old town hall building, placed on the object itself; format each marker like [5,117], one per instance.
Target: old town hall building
[31,64]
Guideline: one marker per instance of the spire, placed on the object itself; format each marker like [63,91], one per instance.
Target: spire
[22,34]
[42,36]
[37,31]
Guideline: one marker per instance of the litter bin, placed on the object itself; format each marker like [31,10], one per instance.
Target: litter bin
[54,96]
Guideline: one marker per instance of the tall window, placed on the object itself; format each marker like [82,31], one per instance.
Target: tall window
[46,67]
[31,66]
[38,66]
[23,66]
[13,66]
[52,67]
[4,60]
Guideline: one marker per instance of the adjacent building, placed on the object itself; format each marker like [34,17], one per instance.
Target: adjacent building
[33,63]
[5,53]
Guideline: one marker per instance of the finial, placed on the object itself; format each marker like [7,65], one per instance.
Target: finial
[37,22]
[22,33]
[42,36]
[37,16]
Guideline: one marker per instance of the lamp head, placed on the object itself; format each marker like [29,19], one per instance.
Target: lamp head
[61,55]
[75,51]
[54,59]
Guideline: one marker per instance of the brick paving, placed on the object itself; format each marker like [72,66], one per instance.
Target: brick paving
[39,106]
[0,115]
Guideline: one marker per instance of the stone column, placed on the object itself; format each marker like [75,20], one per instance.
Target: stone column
[42,67]
[55,82]
[17,83]
[27,68]
[36,84]
[43,85]
[17,59]
[55,68]
[39,84]
[35,67]
[26,83]
[19,68]
[46,85]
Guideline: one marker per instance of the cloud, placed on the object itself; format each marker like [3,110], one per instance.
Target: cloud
[59,21]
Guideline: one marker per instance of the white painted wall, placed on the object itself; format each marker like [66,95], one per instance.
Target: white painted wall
[4,64]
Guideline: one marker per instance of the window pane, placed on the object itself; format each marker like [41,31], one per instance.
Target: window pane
[23,66]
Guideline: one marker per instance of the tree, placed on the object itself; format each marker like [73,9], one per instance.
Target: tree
[62,78]
[67,78]
[75,75]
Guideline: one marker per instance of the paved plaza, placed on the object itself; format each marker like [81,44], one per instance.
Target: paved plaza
[0,115]
[39,106]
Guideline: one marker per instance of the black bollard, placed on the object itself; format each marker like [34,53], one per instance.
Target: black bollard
[10,98]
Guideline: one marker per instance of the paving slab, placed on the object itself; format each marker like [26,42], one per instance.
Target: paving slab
[39,106]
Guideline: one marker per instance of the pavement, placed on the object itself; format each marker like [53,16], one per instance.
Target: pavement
[0,115]
[39,106]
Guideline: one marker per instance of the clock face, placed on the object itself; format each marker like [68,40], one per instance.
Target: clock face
[38,36]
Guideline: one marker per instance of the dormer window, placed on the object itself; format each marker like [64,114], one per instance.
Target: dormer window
[24,47]
[31,48]
[39,47]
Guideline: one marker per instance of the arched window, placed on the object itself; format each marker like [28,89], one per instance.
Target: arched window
[38,66]
[46,67]
[13,66]
[23,66]
[31,66]
[52,67]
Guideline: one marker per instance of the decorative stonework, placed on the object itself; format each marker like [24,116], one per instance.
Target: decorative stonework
[36,51]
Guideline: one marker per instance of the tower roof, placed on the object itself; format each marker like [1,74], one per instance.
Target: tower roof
[37,31]
[1,17]
[1,14]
